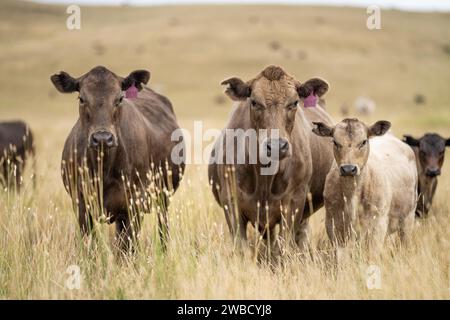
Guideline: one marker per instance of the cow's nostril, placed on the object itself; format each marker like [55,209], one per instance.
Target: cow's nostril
[94,140]
[284,145]
[102,137]
[348,170]
[433,172]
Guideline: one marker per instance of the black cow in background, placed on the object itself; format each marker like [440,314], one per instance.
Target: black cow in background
[16,145]
[430,151]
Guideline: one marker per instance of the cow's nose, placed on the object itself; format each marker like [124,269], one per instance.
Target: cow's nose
[348,170]
[281,144]
[104,138]
[433,172]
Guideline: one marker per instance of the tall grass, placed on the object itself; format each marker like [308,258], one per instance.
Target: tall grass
[39,233]
[40,239]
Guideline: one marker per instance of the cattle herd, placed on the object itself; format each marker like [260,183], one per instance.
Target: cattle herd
[120,151]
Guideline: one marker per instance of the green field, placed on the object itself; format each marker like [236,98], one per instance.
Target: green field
[189,50]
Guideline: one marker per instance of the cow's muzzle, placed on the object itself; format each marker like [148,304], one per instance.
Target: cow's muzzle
[348,170]
[102,138]
[433,172]
[277,148]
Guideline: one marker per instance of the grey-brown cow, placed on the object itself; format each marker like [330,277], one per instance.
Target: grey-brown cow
[370,190]
[125,142]
[271,101]
[429,151]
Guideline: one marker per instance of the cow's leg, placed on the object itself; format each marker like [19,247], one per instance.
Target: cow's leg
[341,233]
[4,174]
[163,227]
[267,250]
[242,226]
[302,235]
[420,210]
[18,175]
[84,217]
[127,232]
[235,223]
[406,226]
[298,227]
[429,196]
[376,235]
[289,225]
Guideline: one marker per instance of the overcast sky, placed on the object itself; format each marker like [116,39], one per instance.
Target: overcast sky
[426,5]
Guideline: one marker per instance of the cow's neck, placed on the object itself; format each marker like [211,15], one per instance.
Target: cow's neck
[267,186]
[352,189]
[426,187]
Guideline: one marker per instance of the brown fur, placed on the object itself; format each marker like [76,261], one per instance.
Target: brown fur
[141,129]
[430,153]
[269,105]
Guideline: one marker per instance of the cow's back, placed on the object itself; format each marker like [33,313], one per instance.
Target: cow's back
[396,161]
[156,108]
[159,124]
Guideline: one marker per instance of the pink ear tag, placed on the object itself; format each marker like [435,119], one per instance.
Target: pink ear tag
[310,101]
[131,93]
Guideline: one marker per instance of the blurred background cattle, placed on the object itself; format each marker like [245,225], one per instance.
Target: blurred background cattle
[16,147]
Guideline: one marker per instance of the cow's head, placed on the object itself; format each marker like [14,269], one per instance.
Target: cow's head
[351,142]
[431,150]
[101,95]
[273,98]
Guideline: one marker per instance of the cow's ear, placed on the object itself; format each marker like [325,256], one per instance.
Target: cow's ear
[322,129]
[136,78]
[65,83]
[314,86]
[409,140]
[237,89]
[379,128]
[447,142]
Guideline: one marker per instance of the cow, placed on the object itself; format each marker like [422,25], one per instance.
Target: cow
[429,151]
[289,195]
[121,143]
[16,146]
[371,189]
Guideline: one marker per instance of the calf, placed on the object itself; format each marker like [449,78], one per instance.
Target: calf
[121,144]
[430,151]
[16,145]
[370,190]
[271,102]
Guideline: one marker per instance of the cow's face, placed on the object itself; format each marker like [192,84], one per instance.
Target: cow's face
[431,150]
[101,95]
[272,99]
[351,142]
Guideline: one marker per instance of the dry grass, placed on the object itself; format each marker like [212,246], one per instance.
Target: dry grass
[189,50]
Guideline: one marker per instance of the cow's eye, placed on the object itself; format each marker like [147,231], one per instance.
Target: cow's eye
[81,99]
[119,101]
[256,105]
[293,106]
[336,145]
[363,144]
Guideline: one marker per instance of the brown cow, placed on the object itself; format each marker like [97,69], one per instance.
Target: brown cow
[430,151]
[271,101]
[124,142]
[16,145]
